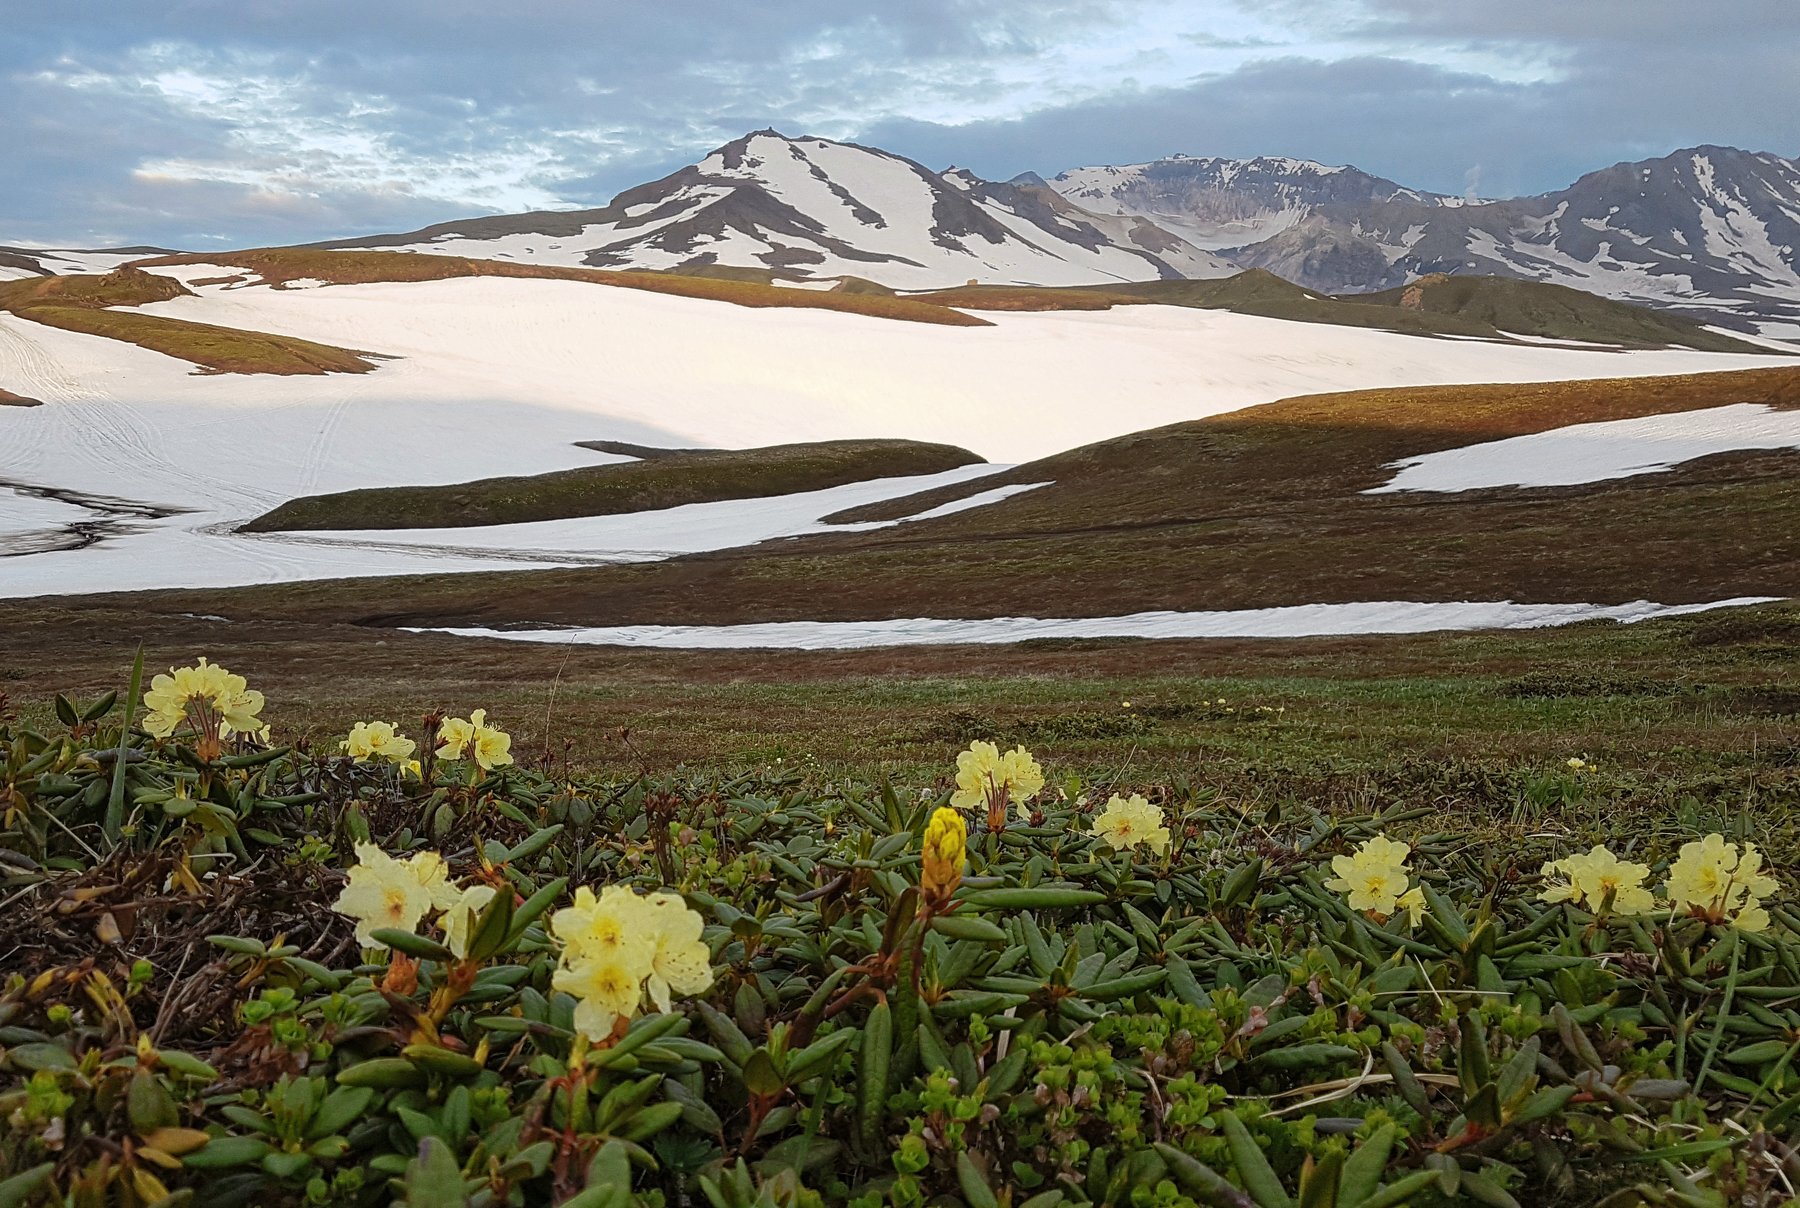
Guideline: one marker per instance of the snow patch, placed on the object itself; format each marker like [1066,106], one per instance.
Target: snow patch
[1598,452]
[1304,620]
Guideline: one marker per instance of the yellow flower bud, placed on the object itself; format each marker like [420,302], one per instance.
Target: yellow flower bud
[946,847]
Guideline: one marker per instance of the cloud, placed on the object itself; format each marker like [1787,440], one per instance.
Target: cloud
[260,121]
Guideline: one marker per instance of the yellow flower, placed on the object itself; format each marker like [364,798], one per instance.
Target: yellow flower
[383,892]
[984,776]
[1595,874]
[1413,902]
[473,737]
[945,849]
[615,925]
[977,769]
[460,917]
[682,963]
[378,740]
[1710,879]
[454,737]
[205,695]
[1129,821]
[1374,877]
[1577,764]
[607,987]
[433,875]
[1563,891]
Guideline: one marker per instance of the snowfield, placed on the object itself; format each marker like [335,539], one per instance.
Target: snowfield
[499,377]
[1596,452]
[1304,620]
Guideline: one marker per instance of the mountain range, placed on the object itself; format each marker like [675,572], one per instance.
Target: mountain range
[1710,233]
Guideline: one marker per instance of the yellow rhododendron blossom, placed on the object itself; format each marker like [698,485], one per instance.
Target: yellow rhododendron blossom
[1413,902]
[614,924]
[211,700]
[1594,874]
[378,740]
[606,988]
[681,963]
[945,850]
[385,892]
[1711,879]
[618,947]
[460,917]
[1127,822]
[985,776]
[473,738]
[1374,877]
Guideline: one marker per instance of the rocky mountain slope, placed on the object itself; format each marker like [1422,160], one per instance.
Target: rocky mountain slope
[1712,232]
[1226,203]
[811,208]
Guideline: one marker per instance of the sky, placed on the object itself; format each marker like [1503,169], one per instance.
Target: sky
[200,124]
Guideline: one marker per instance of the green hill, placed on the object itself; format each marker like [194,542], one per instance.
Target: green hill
[1533,308]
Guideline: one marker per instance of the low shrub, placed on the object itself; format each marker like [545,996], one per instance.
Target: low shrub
[412,970]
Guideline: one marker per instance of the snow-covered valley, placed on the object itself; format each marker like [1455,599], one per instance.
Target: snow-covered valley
[136,471]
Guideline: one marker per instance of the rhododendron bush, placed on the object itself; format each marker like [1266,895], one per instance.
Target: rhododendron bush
[384,968]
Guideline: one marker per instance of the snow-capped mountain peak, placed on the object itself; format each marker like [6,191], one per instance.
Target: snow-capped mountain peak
[814,208]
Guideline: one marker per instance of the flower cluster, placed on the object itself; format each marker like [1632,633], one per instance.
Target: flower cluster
[473,738]
[213,702]
[1127,822]
[1374,878]
[384,892]
[1711,879]
[381,742]
[1576,763]
[621,946]
[1599,880]
[986,776]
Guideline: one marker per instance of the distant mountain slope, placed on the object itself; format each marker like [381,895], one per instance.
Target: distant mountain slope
[1215,202]
[17,262]
[813,208]
[1712,232]
[1489,308]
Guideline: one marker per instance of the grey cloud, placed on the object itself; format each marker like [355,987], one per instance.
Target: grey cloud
[386,114]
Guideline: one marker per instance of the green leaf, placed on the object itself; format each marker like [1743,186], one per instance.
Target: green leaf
[41,1056]
[1031,899]
[1206,1184]
[115,801]
[434,1179]
[1397,1193]
[968,927]
[1259,1178]
[411,944]
[975,1189]
[872,1076]
[222,1152]
[1364,1168]
[23,1187]
[760,1075]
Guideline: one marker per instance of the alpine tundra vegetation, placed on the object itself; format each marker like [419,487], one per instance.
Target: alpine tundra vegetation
[996,986]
